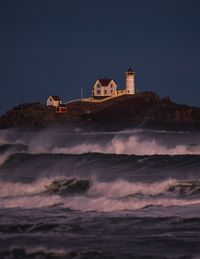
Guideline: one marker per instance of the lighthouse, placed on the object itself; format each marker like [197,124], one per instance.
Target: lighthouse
[130,81]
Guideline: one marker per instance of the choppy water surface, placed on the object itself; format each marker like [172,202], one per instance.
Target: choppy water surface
[130,194]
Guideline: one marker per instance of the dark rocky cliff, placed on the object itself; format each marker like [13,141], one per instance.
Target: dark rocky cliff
[142,110]
[148,110]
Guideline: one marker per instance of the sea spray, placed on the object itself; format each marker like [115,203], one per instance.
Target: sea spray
[104,204]
[137,142]
[120,188]
[12,189]
[102,196]
[115,189]
[30,202]
[131,145]
[134,202]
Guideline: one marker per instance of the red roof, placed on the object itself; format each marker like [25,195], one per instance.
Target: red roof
[55,98]
[105,81]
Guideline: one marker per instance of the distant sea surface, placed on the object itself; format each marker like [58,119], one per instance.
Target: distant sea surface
[142,195]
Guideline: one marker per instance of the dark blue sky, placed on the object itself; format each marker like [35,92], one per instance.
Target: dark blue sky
[58,46]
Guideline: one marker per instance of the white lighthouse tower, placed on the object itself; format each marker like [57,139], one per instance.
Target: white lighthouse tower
[130,81]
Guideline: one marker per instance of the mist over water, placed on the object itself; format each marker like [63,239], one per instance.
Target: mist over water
[137,162]
[139,181]
[135,142]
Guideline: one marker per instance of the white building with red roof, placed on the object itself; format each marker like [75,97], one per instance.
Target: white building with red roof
[104,88]
[53,100]
[108,88]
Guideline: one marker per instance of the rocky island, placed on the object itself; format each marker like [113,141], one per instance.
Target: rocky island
[145,110]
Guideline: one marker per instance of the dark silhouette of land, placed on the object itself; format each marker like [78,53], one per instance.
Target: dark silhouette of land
[145,109]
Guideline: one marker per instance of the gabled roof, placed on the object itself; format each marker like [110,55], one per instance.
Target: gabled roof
[105,81]
[55,98]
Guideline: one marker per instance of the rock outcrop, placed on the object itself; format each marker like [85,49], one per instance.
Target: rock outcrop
[141,110]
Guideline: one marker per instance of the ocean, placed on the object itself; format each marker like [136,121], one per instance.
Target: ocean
[76,194]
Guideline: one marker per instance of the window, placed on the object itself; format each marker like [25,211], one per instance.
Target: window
[98,85]
[98,92]
[50,99]
[111,91]
[111,85]
[105,91]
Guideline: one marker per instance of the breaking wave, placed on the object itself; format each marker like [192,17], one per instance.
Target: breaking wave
[116,189]
[101,196]
[120,188]
[129,146]
[118,144]
[8,149]
[132,145]
[103,204]
[137,142]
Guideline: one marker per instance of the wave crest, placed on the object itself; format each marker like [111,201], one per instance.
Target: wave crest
[132,145]
[102,196]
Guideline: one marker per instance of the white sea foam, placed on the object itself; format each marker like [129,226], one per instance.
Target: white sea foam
[18,189]
[125,142]
[102,196]
[104,204]
[87,203]
[115,189]
[120,188]
[29,202]
[131,145]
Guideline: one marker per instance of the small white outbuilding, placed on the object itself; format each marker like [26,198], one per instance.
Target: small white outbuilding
[53,100]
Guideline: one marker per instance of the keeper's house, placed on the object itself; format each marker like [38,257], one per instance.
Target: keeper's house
[53,100]
[108,88]
[104,88]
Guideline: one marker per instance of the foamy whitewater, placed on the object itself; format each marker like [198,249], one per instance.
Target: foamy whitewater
[129,194]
